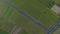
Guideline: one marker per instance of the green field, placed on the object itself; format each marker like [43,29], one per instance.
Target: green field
[10,16]
[3,32]
[22,22]
[38,9]
[56,31]
[57,1]
[26,24]
[4,24]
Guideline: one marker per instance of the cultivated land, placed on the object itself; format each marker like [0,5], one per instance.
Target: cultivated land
[26,24]
[10,17]
[38,9]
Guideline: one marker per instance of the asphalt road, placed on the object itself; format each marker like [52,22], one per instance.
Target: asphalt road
[53,27]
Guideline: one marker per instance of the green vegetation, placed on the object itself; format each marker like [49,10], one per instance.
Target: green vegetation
[23,32]
[8,12]
[26,24]
[10,17]
[3,8]
[56,31]
[51,3]
[3,27]
[38,9]
[3,32]
[57,1]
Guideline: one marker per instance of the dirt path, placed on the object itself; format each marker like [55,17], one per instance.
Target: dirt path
[15,30]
